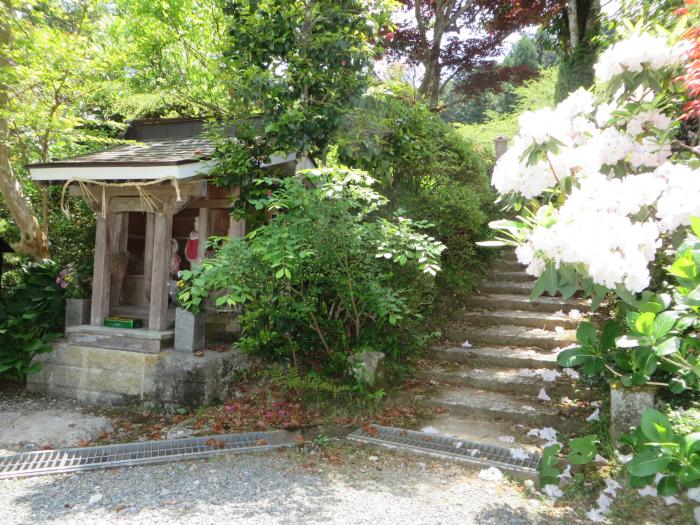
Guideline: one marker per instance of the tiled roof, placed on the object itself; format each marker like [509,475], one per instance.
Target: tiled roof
[154,152]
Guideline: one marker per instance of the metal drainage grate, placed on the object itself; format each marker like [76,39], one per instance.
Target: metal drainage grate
[60,461]
[443,446]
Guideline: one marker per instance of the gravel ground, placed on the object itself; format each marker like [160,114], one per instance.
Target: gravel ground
[361,485]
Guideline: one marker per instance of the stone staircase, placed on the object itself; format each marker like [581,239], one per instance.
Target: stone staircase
[500,351]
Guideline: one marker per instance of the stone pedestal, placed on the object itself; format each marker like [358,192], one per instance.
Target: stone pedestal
[77,312]
[189,331]
[627,406]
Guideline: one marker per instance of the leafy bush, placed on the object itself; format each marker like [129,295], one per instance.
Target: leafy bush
[325,278]
[29,319]
[660,450]
[425,168]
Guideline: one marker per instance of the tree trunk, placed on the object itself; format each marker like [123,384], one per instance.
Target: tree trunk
[33,240]
[572,12]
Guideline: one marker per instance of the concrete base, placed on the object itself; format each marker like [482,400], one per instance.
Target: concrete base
[120,377]
[77,311]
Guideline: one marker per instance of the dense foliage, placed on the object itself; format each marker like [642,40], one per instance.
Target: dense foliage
[292,71]
[325,278]
[426,170]
[30,317]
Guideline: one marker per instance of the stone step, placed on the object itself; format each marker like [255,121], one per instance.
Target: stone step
[510,276]
[506,287]
[505,356]
[501,265]
[529,411]
[510,335]
[544,320]
[523,302]
[505,380]
[484,431]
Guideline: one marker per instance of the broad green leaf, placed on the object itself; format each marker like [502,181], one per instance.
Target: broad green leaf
[583,449]
[644,324]
[691,443]
[574,356]
[648,463]
[656,426]
[695,225]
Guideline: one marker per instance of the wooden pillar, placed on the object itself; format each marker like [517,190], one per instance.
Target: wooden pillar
[162,233]
[101,273]
[148,256]
[118,233]
[203,230]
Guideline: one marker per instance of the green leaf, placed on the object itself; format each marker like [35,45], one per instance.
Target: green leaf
[611,331]
[667,347]
[695,225]
[279,274]
[648,463]
[576,356]
[644,324]
[586,334]
[663,323]
[583,449]
[656,426]
[691,443]
[668,486]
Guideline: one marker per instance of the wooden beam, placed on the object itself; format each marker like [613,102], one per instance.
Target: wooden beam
[162,233]
[215,204]
[101,274]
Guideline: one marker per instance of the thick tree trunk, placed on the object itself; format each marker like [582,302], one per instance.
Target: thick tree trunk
[33,241]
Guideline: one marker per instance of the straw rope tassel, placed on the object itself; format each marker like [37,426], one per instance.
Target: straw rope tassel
[149,202]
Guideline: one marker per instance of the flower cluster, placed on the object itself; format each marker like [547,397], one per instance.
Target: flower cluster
[619,191]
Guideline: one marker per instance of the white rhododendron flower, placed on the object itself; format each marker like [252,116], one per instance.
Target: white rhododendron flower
[609,192]
[633,53]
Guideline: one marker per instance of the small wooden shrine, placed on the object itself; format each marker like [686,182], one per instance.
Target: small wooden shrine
[154,211]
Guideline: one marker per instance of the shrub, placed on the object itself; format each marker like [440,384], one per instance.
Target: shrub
[425,168]
[30,318]
[325,278]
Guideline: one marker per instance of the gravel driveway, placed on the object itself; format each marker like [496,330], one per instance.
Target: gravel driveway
[361,485]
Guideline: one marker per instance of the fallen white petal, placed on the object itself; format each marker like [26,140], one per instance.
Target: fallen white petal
[552,491]
[672,500]
[566,474]
[595,404]
[543,395]
[599,459]
[506,439]
[466,344]
[491,474]
[549,375]
[694,494]
[573,374]
[611,486]
[430,430]
[596,515]
[649,490]
[519,453]
[595,416]
[458,444]
[604,501]
[474,452]
[575,314]
[559,329]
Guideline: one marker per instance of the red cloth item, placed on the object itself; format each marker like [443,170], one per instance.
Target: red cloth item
[192,247]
